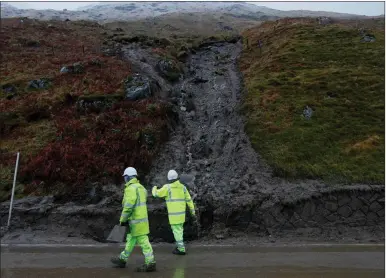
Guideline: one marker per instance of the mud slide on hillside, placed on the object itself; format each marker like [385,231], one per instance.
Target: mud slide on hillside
[232,186]
[234,190]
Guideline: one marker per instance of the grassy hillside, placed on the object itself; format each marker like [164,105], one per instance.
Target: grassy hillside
[64,145]
[330,70]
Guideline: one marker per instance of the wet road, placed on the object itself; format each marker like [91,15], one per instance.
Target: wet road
[202,261]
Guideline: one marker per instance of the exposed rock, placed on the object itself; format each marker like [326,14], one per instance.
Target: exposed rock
[331,206]
[345,211]
[308,210]
[375,206]
[169,70]
[96,103]
[355,204]
[345,199]
[359,218]
[64,70]
[372,217]
[76,68]
[140,87]
[368,38]
[42,83]
[332,217]
[307,112]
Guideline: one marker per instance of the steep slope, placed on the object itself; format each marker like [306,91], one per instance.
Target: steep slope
[340,78]
[62,107]
[235,191]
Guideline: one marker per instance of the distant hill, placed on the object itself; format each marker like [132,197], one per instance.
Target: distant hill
[112,11]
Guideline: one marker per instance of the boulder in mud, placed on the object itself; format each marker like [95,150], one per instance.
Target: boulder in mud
[169,69]
[139,87]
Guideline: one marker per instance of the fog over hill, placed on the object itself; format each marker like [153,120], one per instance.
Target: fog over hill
[112,11]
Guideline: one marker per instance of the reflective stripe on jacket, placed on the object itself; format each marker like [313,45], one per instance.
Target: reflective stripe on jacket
[177,197]
[134,208]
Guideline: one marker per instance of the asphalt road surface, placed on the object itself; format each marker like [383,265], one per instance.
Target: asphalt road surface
[316,261]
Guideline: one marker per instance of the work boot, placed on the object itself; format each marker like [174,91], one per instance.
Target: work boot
[118,262]
[147,267]
[178,252]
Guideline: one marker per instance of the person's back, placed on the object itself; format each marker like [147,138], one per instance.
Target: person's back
[177,197]
[176,201]
[136,195]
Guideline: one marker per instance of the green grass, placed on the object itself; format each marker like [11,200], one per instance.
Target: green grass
[342,80]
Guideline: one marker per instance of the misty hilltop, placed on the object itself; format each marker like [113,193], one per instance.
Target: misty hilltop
[112,11]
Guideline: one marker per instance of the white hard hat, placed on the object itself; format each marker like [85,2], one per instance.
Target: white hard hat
[130,171]
[172,175]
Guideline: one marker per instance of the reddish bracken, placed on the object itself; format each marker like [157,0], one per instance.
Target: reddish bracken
[89,147]
[96,147]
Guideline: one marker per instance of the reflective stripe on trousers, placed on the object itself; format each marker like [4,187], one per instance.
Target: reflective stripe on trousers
[178,232]
[143,242]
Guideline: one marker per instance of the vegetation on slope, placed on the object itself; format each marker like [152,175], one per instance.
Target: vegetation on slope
[65,145]
[330,70]
[179,34]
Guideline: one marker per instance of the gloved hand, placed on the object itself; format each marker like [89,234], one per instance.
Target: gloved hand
[154,191]
[124,223]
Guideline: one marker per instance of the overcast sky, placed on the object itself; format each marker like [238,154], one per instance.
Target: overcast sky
[362,8]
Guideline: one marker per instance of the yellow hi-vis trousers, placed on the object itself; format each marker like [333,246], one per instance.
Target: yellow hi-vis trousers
[143,242]
[178,232]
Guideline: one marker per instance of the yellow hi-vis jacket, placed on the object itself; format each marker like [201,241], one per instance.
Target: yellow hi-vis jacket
[134,208]
[177,197]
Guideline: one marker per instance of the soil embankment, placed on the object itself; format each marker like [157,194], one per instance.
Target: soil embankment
[235,191]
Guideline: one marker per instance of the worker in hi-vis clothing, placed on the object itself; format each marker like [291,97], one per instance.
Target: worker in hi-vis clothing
[134,213]
[177,197]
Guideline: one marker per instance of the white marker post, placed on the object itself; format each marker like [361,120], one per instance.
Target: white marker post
[13,190]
